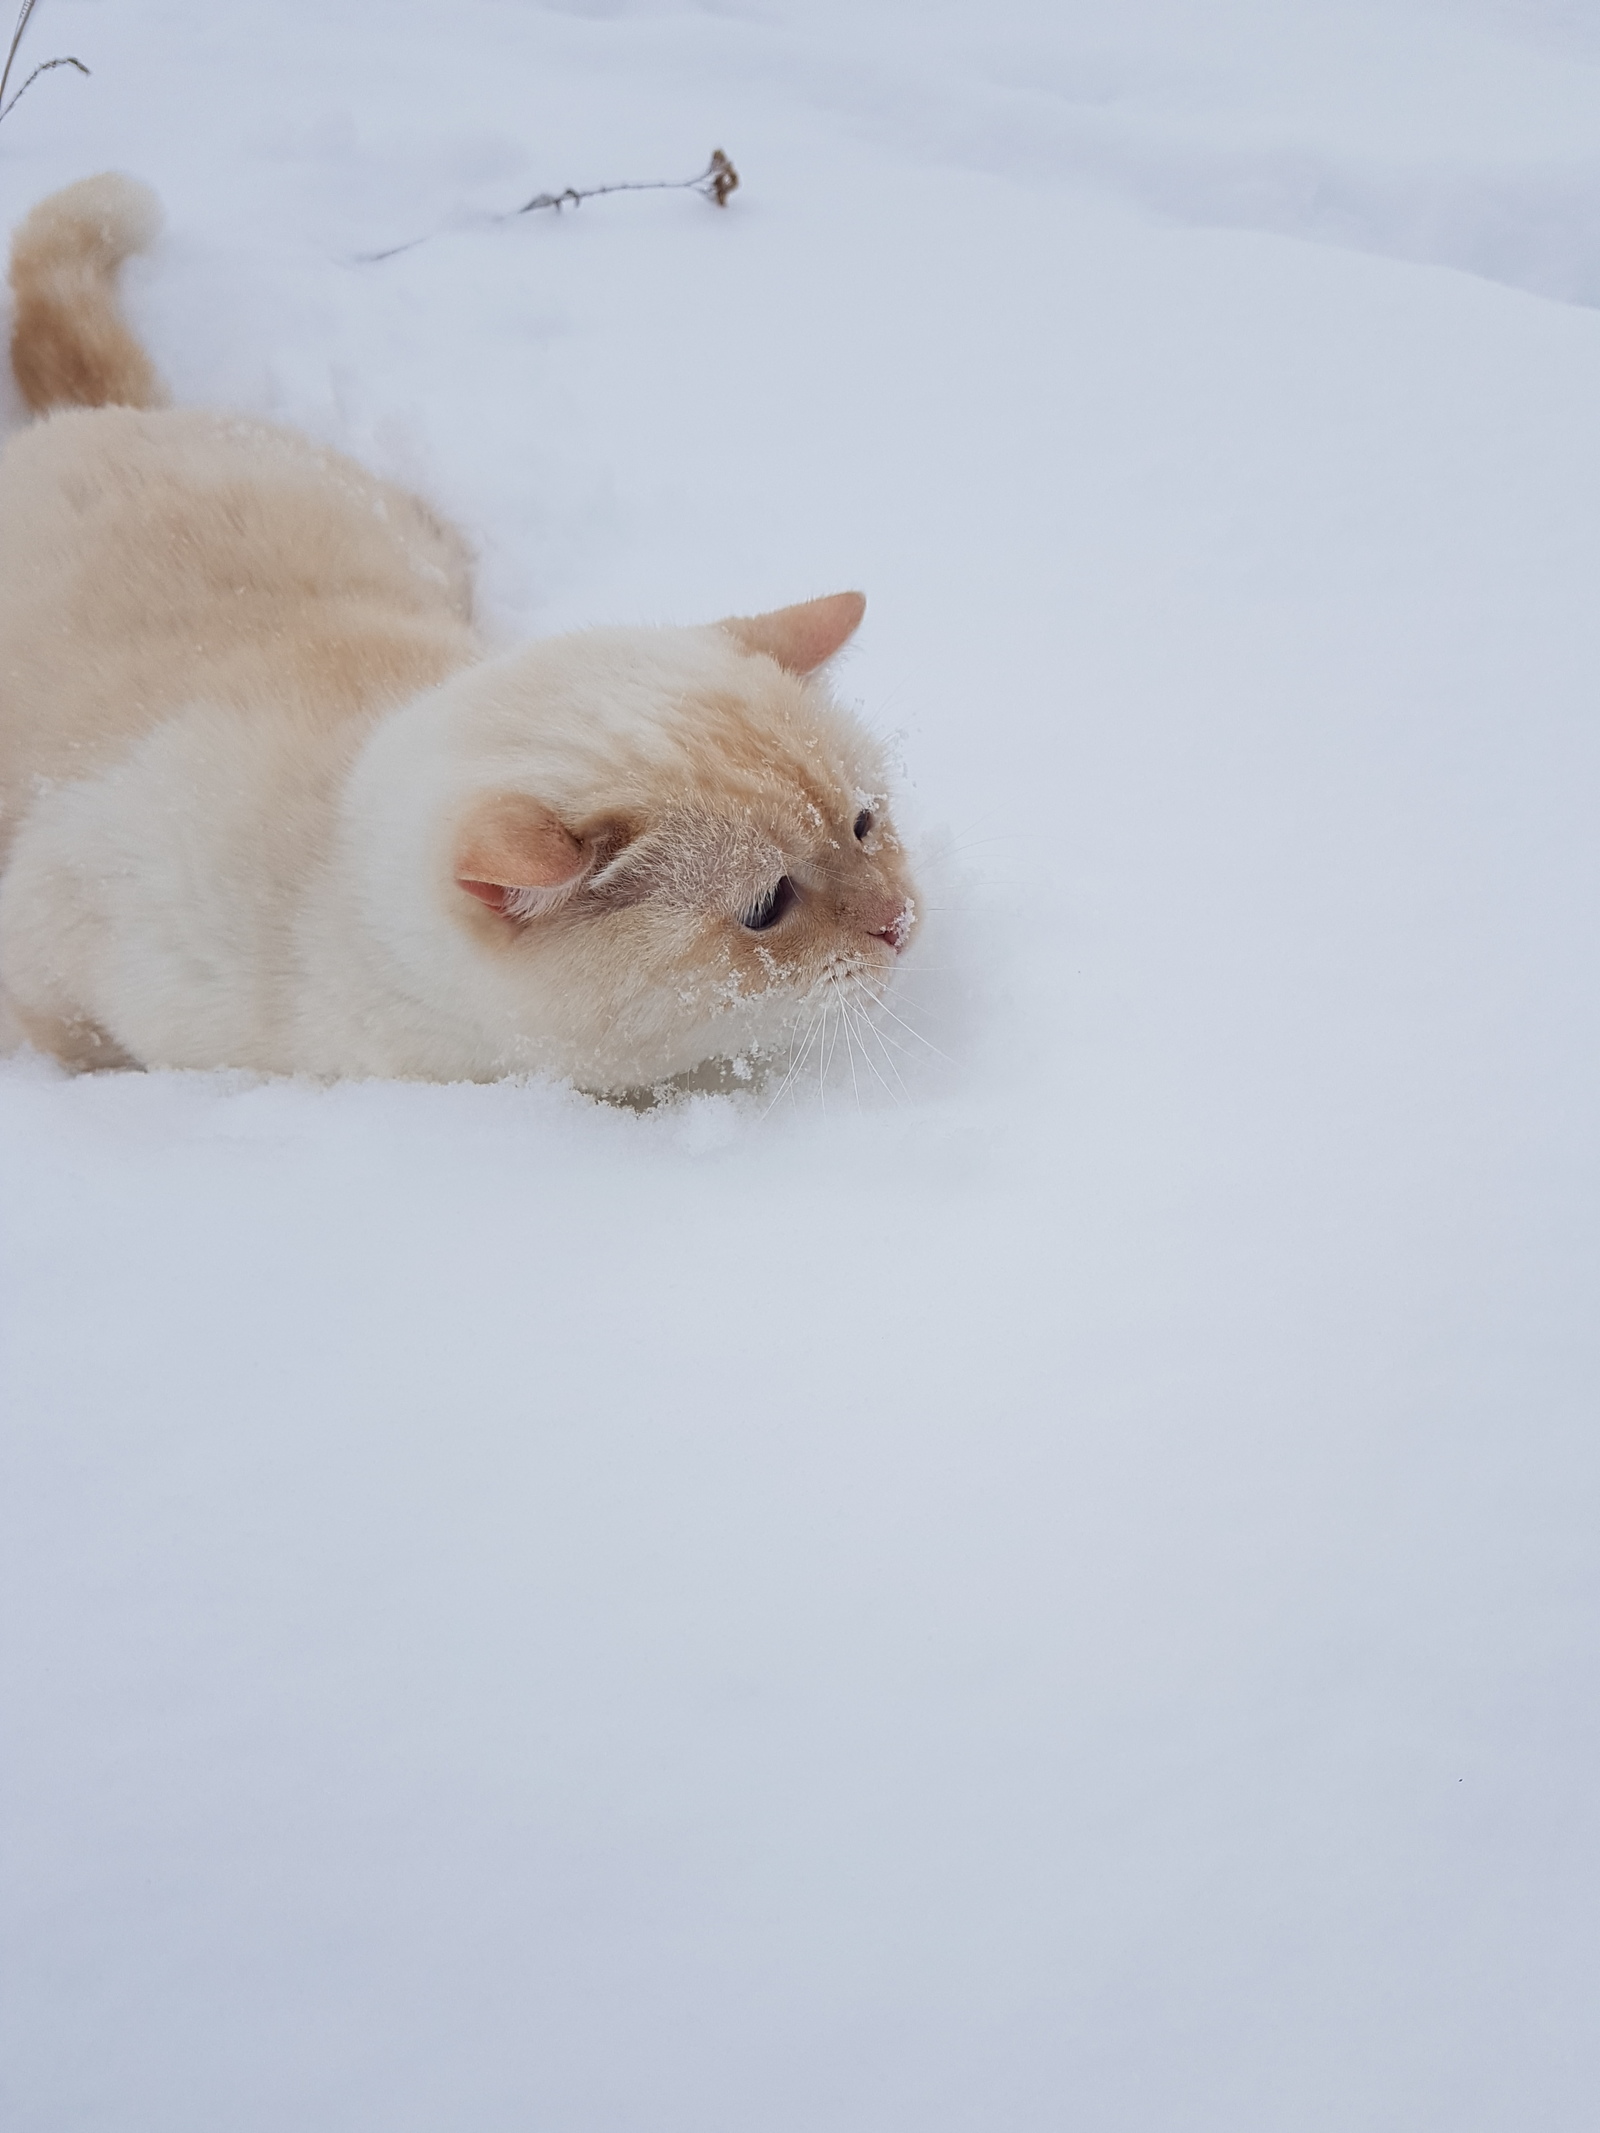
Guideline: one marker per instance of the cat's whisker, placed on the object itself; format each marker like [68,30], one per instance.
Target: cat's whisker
[864,1029]
[893,1052]
[892,1045]
[885,1008]
[784,1060]
[849,1038]
[870,1028]
[796,1065]
[889,1039]
[814,1042]
[786,1086]
[861,993]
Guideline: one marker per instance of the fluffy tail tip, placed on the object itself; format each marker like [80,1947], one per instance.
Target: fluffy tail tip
[70,346]
[103,219]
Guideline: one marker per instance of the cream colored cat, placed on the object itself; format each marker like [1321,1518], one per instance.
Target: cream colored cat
[266,801]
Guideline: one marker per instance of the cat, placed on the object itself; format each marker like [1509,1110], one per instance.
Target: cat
[268,801]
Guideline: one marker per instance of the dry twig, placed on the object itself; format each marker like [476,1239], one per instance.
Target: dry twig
[715,182]
[44,67]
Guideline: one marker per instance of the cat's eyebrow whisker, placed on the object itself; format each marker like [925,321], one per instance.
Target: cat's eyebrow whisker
[896,691]
[976,822]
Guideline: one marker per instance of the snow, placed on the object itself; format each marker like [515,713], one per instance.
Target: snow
[1061,1593]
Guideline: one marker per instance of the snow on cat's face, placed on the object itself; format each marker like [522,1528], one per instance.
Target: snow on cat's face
[656,846]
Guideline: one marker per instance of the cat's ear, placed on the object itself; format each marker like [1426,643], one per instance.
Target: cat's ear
[801,638]
[515,855]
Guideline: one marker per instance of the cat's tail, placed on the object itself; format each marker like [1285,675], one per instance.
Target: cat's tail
[70,345]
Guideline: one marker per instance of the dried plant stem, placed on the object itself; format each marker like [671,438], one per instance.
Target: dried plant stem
[23,19]
[27,9]
[715,182]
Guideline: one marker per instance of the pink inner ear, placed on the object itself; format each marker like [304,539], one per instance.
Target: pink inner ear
[492,893]
[801,638]
[512,841]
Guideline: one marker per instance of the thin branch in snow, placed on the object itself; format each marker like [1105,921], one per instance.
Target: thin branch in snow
[44,67]
[715,183]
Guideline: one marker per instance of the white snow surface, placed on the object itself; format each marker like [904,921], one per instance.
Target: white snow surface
[1057,1594]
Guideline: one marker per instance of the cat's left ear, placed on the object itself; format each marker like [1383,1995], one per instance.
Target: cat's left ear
[801,638]
[515,855]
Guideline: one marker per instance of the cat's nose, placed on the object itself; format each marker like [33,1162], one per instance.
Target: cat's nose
[898,931]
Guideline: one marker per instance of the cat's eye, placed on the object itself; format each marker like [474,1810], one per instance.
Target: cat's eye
[863,823]
[778,899]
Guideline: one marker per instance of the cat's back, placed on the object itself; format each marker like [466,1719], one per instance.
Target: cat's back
[150,559]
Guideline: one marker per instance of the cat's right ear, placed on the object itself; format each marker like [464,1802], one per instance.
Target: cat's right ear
[515,855]
[801,638]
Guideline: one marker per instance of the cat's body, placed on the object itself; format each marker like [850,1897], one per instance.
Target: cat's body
[266,801]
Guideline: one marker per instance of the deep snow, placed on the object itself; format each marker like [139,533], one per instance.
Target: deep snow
[1063,1600]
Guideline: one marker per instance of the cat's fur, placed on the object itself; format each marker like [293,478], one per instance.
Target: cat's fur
[266,800]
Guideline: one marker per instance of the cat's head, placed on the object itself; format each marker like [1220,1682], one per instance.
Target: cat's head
[660,846]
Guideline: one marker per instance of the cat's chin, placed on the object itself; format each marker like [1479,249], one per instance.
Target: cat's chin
[803,1042]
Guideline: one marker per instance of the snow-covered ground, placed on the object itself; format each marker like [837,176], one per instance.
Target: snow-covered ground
[1056,1596]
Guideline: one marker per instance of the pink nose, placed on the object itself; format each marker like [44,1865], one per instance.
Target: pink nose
[898,929]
